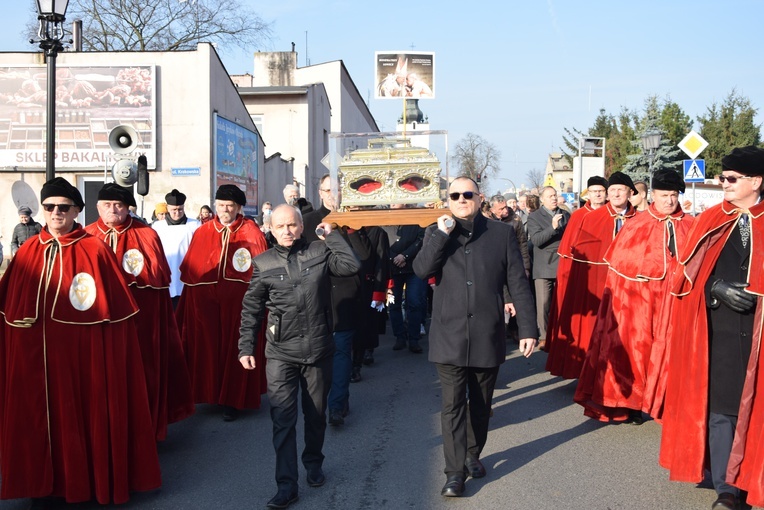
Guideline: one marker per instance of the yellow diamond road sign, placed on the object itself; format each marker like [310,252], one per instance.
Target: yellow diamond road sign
[693,144]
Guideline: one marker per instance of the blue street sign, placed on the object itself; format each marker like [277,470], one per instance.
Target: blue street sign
[694,170]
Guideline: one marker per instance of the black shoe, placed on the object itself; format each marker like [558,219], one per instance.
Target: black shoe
[474,467]
[355,375]
[454,486]
[725,501]
[283,498]
[415,347]
[400,344]
[47,503]
[635,417]
[336,417]
[368,357]
[316,477]
[230,413]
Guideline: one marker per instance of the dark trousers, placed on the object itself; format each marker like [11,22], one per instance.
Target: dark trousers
[464,433]
[721,432]
[343,366]
[416,306]
[544,295]
[284,379]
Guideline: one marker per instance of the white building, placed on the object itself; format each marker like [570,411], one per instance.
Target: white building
[295,110]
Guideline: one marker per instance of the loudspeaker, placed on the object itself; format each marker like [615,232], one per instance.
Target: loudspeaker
[125,172]
[123,139]
[143,176]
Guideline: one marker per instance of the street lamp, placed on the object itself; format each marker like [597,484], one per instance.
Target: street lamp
[651,140]
[514,188]
[51,14]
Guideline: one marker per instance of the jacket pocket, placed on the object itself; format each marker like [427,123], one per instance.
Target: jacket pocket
[273,331]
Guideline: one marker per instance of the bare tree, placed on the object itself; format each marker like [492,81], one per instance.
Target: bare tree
[535,178]
[476,158]
[167,25]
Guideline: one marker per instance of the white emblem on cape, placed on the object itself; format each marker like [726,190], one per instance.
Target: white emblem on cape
[132,262]
[242,260]
[82,292]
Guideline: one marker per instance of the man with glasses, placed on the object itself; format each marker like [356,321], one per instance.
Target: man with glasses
[579,299]
[175,232]
[145,271]
[623,373]
[713,411]
[503,211]
[74,414]
[546,225]
[597,195]
[474,258]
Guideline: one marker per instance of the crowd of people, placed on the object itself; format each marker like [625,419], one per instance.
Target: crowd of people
[654,311]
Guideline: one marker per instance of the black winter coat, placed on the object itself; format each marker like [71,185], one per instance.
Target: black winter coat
[470,271]
[293,285]
[22,232]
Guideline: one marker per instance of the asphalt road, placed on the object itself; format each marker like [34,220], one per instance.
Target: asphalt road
[542,453]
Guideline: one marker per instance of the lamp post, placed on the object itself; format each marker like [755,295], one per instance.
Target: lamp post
[51,14]
[514,188]
[651,140]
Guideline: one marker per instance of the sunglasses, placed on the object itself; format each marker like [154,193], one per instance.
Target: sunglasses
[467,195]
[64,208]
[732,179]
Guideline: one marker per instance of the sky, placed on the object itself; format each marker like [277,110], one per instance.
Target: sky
[517,72]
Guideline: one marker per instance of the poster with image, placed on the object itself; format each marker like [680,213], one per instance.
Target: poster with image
[402,74]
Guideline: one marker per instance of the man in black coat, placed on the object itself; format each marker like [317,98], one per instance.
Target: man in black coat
[291,281]
[472,259]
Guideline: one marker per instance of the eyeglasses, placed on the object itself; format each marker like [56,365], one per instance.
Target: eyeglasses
[732,179]
[64,208]
[466,194]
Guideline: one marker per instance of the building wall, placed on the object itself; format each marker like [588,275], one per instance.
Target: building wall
[191,85]
[293,123]
[349,112]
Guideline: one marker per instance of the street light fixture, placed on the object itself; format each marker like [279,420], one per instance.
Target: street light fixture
[651,140]
[52,14]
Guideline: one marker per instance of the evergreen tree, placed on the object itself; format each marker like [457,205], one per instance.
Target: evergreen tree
[727,126]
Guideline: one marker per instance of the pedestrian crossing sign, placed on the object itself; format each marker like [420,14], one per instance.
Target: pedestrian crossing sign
[694,170]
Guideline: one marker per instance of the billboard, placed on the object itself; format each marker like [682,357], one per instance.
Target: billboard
[90,102]
[401,75]
[235,159]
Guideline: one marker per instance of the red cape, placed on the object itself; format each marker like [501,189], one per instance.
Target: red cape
[74,414]
[216,273]
[145,269]
[565,250]
[685,431]
[624,364]
[579,287]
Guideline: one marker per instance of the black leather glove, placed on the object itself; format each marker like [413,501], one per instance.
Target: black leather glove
[733,295]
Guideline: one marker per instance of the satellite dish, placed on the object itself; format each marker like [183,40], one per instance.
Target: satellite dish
[23,194]
[123,139]
[125,172]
